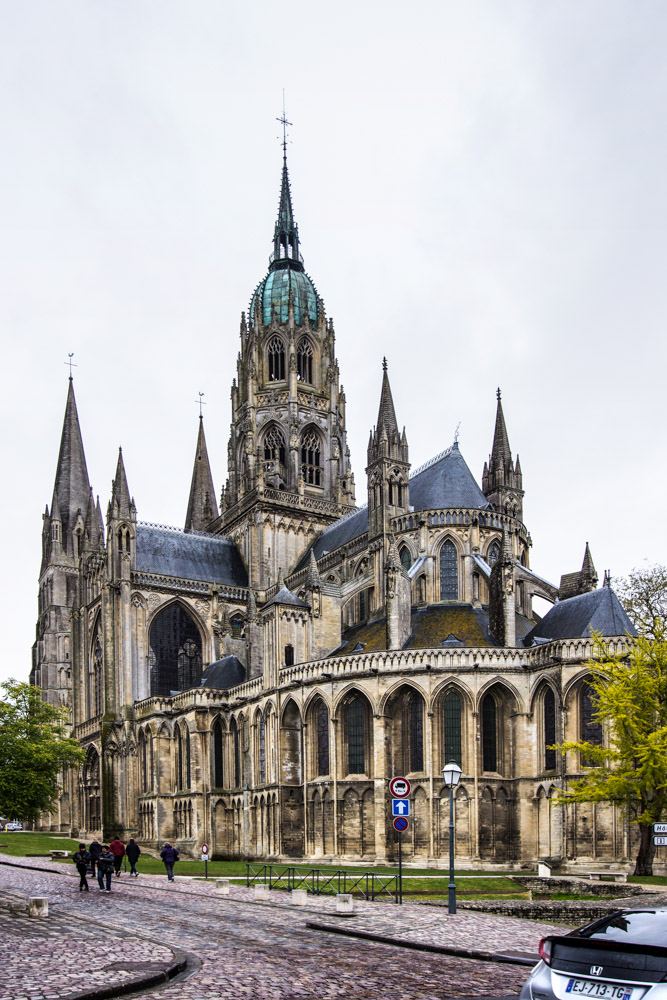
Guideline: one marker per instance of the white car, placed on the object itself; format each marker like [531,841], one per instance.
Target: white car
[13,827]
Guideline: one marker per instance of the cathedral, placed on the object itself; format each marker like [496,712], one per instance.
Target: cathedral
[253,679]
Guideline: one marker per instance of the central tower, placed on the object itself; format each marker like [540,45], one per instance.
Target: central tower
[288,461]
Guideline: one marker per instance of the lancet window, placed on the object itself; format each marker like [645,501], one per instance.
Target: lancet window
[493,555]
[356,735]
[304,361]
[449,572]
[549,724]
[175,651]
[276,358]
[489,733]
[322,738]
[218,754]
[311,461]
[452,706]
[274,446]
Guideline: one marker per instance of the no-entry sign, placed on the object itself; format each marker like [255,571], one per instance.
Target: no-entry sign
[401,823]
[399,788]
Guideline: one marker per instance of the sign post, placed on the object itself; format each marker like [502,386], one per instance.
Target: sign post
[204,857]
[399,789]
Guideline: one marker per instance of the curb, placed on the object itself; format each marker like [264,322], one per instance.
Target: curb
[132,986]
[481,956]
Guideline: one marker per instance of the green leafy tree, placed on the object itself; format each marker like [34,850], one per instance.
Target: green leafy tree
[643,594]
[34,748]
[630,697]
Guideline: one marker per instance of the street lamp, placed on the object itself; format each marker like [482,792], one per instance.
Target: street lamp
[451,775]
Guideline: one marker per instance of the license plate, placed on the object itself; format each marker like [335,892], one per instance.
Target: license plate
[605,991]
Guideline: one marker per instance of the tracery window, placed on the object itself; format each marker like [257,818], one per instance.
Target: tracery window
[549,722]
[218,754]
[175,651]
[493,555]
[311,462]
[412,731]
[304,361]
[356,733]
[449,572]
[236,754]
[276,356]
[406,558]
[451,727]
[322,736]
[274,446]
[489,733]
[236,624]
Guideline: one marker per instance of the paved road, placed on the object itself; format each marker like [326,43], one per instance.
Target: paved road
[241,948]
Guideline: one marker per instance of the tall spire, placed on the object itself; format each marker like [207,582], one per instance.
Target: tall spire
[502,482]
[72,486]
[386,412]
[202,505]
[121,502]
[286,232]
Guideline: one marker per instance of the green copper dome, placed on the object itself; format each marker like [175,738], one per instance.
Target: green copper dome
[278,289]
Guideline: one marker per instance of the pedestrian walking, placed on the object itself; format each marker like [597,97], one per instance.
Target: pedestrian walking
[117,848]
[105,866]
[132,852]
[94,850]
[81,859]
[170,856]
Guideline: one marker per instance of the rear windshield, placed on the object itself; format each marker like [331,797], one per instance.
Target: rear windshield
[638,927]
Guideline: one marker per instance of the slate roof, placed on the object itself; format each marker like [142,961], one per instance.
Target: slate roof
[171,552]
[285,596]
[340,533]
[578,617]
[224,673]
[447,482]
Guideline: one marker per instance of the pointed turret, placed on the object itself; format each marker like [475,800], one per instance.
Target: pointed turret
[502,481]
[386,412]
[313,576]
[121,503]
[574,584]
[71,488]
[202,505]
[588,572]
[286,232]
[388,464]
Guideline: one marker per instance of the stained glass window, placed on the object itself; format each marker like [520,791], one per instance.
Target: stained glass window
[311,468]
[451,722]
[356,730]
[589,728]
[493,555]
[449,573]
[413,731]
[322,733]
[276,356]
[406,558]
[489,734]
[549,708]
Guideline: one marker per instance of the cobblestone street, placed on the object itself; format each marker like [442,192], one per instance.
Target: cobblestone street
[239,947]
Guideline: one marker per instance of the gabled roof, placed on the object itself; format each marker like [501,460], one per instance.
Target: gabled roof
[340,533]
[446,482]
[224,673]
[578,617]
[171,552]
[285,596]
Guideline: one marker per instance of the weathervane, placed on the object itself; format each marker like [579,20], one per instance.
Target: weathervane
[456,433]
[201,403]
[284,122]
[71,364]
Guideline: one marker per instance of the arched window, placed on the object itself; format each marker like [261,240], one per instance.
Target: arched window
[274,446]
[549,721]
[452,706]
[304,361]
[405,557]
[449,572]
[261,749]
[218,754]
[356,735]
[175,651]
[590,729]
[322,738]
[236,754]
[412,731]
[289,655]
[489,733]
[96,675]
[236,623]
[493,555]
[276,356]
[182,758]
[311,462]
[143,761]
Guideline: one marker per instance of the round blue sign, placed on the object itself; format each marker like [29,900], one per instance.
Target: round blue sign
[401,823]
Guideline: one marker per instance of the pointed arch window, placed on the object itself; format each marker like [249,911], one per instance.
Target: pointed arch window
[175,651]
[493,555]
[549,723]
[218,754]
[304,361]
[449,572]
[412,731]
[274,446]
[236,754]
[590,729]
[183,779]
[405,557]
[322,737]
[276,358]
[489,733]
[451,727]
[311,461]
[356,735]
[261,749]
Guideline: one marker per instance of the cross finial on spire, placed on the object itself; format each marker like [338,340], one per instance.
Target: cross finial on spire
[284,122]
[384,364]
[498,394]
[201,403]
[70,363]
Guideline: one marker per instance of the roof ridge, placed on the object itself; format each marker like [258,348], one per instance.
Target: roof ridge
[180,531]
[432,461]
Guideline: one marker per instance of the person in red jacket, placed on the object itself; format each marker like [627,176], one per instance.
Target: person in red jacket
[117,848]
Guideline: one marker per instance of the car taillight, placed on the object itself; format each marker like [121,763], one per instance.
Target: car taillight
[544,950]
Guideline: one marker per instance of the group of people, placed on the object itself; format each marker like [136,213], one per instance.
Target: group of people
[108,859]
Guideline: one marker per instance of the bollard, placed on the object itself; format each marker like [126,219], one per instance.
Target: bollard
[299,897]
[222,885]
[38,906]
[344,902]
[261,891]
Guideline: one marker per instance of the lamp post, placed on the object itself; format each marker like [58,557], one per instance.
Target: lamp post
[451,775]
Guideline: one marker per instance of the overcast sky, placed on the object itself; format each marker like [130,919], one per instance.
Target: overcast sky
[480,191]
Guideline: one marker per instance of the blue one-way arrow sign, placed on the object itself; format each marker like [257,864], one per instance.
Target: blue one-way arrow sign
[400,807]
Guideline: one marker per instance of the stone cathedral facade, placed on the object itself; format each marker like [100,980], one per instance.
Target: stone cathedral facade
[252,680]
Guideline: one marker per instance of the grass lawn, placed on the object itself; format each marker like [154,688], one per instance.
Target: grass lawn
[648,879]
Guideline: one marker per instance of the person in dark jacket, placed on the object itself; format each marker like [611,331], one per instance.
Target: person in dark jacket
[117,848]
[81,859]
[132,852]
[105,869]
[94,850]
[169,855]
